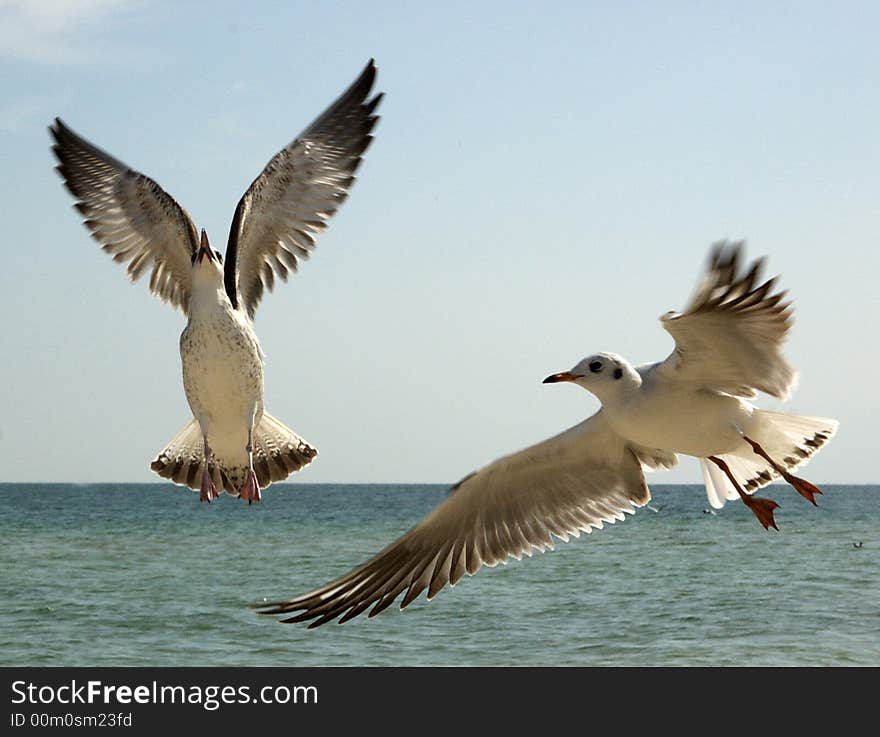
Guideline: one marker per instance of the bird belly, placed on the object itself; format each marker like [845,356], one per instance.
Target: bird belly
[222,375]
[694,423]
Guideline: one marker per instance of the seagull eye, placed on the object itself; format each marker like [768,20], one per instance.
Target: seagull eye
[596,367]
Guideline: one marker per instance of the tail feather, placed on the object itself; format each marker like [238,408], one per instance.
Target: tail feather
[718,486]
[790,440]
[278,452]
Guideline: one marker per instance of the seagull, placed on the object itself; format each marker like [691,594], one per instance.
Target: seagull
[231,443]
[727,348]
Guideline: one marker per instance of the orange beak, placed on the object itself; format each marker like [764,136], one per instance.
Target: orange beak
[563,376]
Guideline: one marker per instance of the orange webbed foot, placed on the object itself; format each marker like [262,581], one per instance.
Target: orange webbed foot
[762,509]
[803,487]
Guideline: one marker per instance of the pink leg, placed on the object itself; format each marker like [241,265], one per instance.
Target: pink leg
[762,508]
[801,486]
[207,491]
[251,488]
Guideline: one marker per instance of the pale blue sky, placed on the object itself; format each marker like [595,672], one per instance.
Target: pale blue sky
[545,182]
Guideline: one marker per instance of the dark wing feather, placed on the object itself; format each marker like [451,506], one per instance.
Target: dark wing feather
[130,215]
[571,483]
[299,190]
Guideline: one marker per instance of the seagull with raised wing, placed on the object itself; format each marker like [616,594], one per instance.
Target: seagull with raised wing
[727,348]
[231,444]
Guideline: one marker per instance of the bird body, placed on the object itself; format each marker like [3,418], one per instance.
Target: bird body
[650,407]
[222,371]
[232,444]
[641,410]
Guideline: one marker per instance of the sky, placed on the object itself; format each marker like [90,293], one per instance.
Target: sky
[545,182]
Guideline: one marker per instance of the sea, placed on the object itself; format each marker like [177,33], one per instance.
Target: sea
[146,575]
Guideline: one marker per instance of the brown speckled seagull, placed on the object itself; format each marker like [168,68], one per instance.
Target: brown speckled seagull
[231,444]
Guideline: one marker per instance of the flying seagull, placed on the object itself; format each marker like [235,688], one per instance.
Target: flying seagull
[727,348]
[232,443]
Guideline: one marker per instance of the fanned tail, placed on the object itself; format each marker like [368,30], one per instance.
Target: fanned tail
[278,452]
[790,440]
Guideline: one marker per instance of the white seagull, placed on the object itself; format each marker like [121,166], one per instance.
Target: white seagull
[231,443]
[727,347]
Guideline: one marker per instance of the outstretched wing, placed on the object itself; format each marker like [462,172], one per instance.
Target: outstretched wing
[298,191]
[130,215]
[730,336]
[566,485]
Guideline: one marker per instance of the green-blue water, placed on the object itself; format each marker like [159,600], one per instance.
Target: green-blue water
[146,575]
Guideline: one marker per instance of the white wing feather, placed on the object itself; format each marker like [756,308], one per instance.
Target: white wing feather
[297,192]
[571,483]
[730,336]
[130,215]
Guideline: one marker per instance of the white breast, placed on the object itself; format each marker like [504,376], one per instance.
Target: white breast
[222,368]
[696,423]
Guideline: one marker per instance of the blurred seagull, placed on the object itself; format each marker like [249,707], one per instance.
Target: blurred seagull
[727,347]
[231,443]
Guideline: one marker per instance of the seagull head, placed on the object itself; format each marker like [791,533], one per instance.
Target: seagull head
[602,374]
[207,263]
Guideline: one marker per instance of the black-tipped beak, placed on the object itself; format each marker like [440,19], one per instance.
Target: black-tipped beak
[204,248]
[562,376]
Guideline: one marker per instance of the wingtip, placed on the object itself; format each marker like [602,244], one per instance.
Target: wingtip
[56,130]
[725,252]
[374,103]
[367,76]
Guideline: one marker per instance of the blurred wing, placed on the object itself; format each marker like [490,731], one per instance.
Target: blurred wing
[566,485]
[130,215]
[295,195]
[730,336]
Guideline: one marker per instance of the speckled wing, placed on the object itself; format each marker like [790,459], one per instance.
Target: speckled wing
[730,336]
[571,483]
[130,215]
[295,195]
